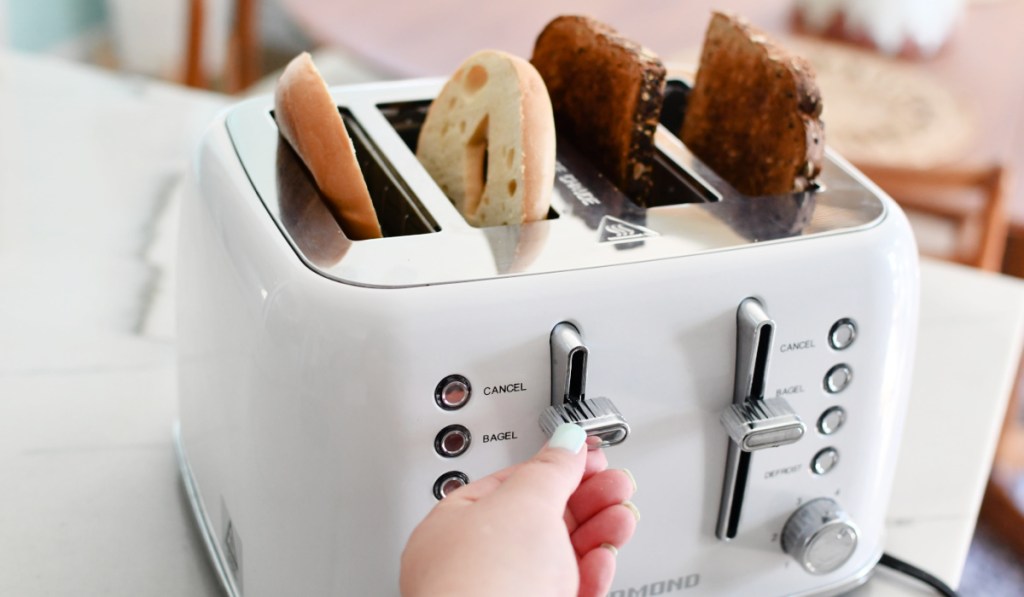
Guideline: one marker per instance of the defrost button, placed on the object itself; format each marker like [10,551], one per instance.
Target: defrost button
[449,482]
[824,461]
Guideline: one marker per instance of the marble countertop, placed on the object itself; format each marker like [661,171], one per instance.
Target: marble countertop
[92,163]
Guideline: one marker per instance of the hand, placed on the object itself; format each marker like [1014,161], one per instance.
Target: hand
[549,526]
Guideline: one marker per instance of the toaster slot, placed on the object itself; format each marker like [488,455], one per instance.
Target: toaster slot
[407,119]
[673,184]
[398,210]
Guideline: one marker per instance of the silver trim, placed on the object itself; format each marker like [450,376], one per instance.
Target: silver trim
[568,363]
[217,557]
[845,586]
[751,322]
[459,252]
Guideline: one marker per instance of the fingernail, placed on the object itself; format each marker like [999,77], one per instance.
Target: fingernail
[568,436]
[611,548]
[632,508]
[632,479]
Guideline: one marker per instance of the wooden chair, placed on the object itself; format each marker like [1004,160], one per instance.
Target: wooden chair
[999,511]
[981,225]
[243,67]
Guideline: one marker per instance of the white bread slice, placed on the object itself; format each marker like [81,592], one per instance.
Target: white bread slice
[489,141]
[309,119]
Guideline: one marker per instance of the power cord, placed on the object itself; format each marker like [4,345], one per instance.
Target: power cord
[910,570]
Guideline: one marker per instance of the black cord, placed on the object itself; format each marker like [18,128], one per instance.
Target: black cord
[901,566]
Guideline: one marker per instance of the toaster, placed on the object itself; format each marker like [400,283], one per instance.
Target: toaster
[747,358]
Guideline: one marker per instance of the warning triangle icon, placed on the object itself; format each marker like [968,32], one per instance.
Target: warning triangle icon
[614,230]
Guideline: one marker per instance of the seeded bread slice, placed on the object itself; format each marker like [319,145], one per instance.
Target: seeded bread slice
[606,92]
[754,113]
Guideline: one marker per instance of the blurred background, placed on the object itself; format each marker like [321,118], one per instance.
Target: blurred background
[925,96]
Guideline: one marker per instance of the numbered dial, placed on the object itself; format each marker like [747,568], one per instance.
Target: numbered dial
[820,536]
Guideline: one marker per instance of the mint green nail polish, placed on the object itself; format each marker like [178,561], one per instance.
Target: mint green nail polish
[568,436]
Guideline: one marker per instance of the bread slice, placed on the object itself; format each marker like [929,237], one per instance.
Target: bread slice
[309,120]
[607,93]
[754,113]
[489,141]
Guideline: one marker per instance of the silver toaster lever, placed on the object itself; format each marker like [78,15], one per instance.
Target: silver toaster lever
[597,416]
[752,421]
[759,424]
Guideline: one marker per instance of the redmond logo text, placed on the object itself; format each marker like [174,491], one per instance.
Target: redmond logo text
[661,587]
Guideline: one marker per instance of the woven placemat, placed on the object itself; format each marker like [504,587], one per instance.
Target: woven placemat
[879,110]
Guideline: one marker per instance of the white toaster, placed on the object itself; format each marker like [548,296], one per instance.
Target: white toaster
[748,359]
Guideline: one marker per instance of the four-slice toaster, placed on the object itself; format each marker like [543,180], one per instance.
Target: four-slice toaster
[747,358]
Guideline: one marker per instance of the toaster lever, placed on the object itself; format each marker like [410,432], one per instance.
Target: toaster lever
[597,416]
[759,424]
[752,421]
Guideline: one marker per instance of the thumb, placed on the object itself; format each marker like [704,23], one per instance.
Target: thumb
[554,473]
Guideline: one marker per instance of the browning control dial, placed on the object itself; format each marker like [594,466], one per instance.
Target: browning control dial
[820,536]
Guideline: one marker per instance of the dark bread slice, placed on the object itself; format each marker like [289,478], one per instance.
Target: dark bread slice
[606,92]
[754,113]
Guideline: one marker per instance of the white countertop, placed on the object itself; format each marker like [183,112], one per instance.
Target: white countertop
[91,503]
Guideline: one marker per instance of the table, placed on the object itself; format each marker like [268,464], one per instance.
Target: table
[92,164]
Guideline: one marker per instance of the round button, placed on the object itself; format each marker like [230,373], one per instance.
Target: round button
[842,334]
[838,378]
[452,441]
[824,461]
[831,420]
[449,482]
[453,392]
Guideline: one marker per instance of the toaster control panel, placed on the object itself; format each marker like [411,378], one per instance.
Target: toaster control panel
[818,534]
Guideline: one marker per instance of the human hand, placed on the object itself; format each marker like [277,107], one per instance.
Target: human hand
[549,526]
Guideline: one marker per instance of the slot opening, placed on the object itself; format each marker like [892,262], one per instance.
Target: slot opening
[764,342]
[577,374]
[398,210]
[742,471]
[673,185]
[407,120]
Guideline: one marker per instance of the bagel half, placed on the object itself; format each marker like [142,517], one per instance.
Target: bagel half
[489,141]
[309,119]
